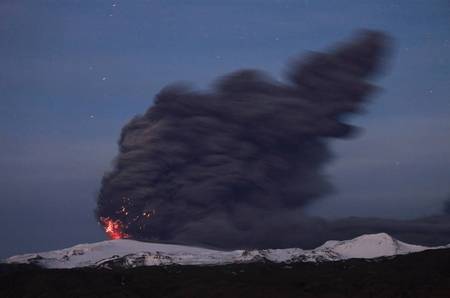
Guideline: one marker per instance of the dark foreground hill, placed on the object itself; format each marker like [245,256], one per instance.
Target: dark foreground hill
[424,274]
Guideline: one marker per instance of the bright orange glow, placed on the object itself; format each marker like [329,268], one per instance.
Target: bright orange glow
[113,228]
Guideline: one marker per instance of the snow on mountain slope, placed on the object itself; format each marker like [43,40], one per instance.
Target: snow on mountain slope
[130,253]
[370,246]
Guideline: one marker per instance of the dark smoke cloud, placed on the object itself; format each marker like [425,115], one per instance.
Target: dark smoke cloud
[234,166]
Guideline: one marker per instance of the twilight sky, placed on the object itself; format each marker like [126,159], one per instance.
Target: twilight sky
[74,72]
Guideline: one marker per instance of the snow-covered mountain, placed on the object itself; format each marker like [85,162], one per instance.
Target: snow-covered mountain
[130,253]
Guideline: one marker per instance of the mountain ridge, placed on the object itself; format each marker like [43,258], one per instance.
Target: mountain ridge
[130,253]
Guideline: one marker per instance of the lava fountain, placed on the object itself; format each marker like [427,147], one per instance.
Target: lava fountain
[113,228]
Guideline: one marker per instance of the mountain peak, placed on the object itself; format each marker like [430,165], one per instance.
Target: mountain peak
[370,246]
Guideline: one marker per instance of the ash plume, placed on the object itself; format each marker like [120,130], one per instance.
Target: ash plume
[234,166]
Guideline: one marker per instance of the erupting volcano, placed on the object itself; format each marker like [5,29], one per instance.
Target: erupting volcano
[206,167]
[113,228]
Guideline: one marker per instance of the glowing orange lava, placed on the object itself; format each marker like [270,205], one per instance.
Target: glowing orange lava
[113,228]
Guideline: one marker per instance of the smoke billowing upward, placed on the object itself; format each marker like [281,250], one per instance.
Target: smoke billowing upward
[234,166]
